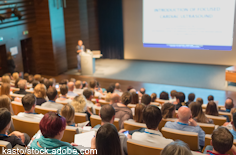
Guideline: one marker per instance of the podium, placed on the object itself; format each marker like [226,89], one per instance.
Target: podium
[88,62]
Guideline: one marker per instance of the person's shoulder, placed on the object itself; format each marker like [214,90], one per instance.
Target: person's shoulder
[138,135]
[21,114]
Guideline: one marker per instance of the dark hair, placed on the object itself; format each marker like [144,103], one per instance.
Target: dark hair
[16,83]
[28,101]
[47,83]
[87,93]
[126,98]
[63,81]
[191,97]
[180,96]
[129,88]
[93,84]
[234,119]
[176,148]
[199,100]
[51,124]
[138,117]
[173,93]
[52,81]
[30,79]
[167,110]
[211,109]
[51,93]
[153,97]
[210,98]
[107,135]
[197,113]
[135,98]
[5,118]
[152,116]
[146,99]
[222,140]
[143,92]
[111,88]
[34,83]
[164,95]
[84,85]
[63,89]
[107,112]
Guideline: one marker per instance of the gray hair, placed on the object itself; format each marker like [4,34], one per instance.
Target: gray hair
[176,148]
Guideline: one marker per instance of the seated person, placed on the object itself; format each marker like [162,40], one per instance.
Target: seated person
[29,103]
[52,94]
[199,100]
[63,97]
[5,90]
[40,93]
[186,123]
[34,83]
[141,92]
[135,98]
[211,109]
[22,84]
[5,123]
[180,100]
[115,98]
[153,97]
[78,86]
[92,85]
[89,95]
[197,113]
[117,89]
[164,96]
[52,128]
[152,117]
[5,102]
[80,106]
[210,98]
[168,110]
[146,99]
[233,122]
[68,112]
[191,98]
[228,105]
[71,89]
[173,96]
[138,117]
[176,148]
[221,143]
[122,111]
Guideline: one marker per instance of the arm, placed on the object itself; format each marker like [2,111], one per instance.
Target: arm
[201,137]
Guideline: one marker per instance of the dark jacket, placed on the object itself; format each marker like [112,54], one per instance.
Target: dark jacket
[22,92]
[11,66]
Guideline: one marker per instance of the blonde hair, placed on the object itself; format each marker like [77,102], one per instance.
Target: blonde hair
[15,76]
[5,102]
[68,112]
[79,103]
[78,84]
[22,84]
[5,89]
[37,77]
[5,79]
[108,97]
[40,90]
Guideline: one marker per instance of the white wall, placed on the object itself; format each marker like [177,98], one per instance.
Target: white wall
[133,46]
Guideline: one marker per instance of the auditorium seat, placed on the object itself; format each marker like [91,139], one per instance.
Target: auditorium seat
[94,101]
[26,125]
[17,96]
[95,120]
[97,110]
[163,121]
[161,101]
[44,110]
[80,117]
[218,120]
[17,107]
[61,102]
[4,145]
[131,125]
[103,102]
[191,138]
[156,104]
[225,113]
[69,134]
[207,128]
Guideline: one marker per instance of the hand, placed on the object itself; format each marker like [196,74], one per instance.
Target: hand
[93,143]
[19,135]
[73,144]
[129,136]
[192,122]
[122,130]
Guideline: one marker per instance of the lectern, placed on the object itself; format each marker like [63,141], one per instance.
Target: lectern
[88,62]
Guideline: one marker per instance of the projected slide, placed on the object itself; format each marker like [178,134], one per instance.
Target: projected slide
[191,24]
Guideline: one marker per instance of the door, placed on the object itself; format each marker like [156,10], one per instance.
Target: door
[3,60]
[27,55]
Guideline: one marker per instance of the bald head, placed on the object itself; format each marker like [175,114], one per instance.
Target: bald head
[184,113]
[117,86]
[115,98]
[229,103]
[70,86]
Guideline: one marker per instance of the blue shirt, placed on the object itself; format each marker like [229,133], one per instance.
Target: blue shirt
[70,93]
[233,132]
[184,127]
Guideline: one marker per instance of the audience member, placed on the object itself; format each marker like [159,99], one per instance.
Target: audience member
[107,114]
[233,122]
[40,93]
[5,90]
[5,79]
[5,102]
[176,148]
[152,117]
[180,99]
[88,93]
[52,128]
[197,113]
[168,110]
[78,87]
[115,98]
[37,77]
[71,89]
[52,95]
[68,112]
[22,84]
[164,96]
[229,125]
[16,83]
[221,143]
[15,76]
[117,89]
[153,97]
[92,85]
[29,103]
[63,98]
[146,99]
[34,83]
[173,95]
[142,92]
[79,104]
[211,109]
[138,117]
[30,79]
[210,98]
[186,123]
[111,88]
[108,97]
[10,63]
[63,81]
[199,100]
[26,75]
[228,105]
[72,80]
[52,82]
[134,98]
[191,98]
[121,110]
[84,85]
[47,83]
[129,88]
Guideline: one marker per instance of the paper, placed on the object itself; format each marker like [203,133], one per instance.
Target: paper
[84,139]
[14,50]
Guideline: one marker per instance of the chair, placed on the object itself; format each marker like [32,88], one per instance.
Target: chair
[191,138]
[155,103]
[103,102]
[131,125]
[17,96]
[80,117]
[95,120]
[218,120]
[161,101]
[163,121]
[17,107]
[69,134]
[25,125]
[225,113]
[61,102]
[97,110]
[207,128]
[94,101]
[4,145]
[44,110]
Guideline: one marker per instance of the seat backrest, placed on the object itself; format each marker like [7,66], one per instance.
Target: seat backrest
[226,114]
[191,138]
[25,125]
[163,121]
[61,102]
[96,119]
[97,110]
[207,128]
[103,102]
[44,110]
[131,125]
[69,134]
[161,101]
[17,107]
[218,120]
[80,117]
[138,148]
[4,145]
[17,95]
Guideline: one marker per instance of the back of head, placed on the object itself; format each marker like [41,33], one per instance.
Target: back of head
[84,84]
[142,91]
[78,84]
[153,97]
[47,83]
[199,100]
[52,81]
[28,101]
[222,140]
[167,110]
[117,86]
[5,102]
[68,112]
[87,93]
[37,77]
[40,90]
[135,98]
[72,80]
[16,83]
[152,116]
[115,98]
[26,76]
[5,89]
[180,96]
[126,98]
[229,103]
[30,78]
[108,97]
[184,114]
[51,93]
[129,88]
[63,89]
[176,148]
[63,81]
[138,117]
[196,110]
[5,118]
[210,98]
[71,86]
[52,124]
[211,109]
[173,93]
[106,113]
[164,96]
[92,84]
[15,76]
[146,99]
[191,97]
[34,83]
[79,103]
[5,79]
[107,135]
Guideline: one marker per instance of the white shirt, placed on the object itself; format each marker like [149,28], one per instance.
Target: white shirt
[54,105]
[30,115]
[98,94]
[91,105]
[78,91]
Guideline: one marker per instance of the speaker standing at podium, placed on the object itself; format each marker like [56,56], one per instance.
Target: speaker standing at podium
[79,48]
